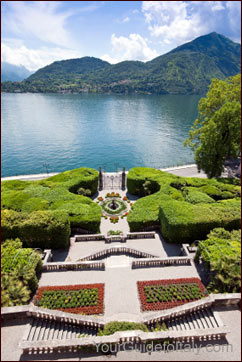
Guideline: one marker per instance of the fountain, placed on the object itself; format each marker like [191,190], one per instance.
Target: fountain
[113,205]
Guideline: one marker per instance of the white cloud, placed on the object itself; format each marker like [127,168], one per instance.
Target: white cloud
[109,59]
[34,59]
[170,21]
[133,47]
[177,22]
[42,20]
[126,20]
[234,14]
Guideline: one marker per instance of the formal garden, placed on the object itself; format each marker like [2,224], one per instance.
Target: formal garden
[42,214]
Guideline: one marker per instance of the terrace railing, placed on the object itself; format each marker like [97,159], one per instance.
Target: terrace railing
[146,263]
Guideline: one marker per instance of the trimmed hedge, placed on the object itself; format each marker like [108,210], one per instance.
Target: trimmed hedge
[42,229]
[182,207]
[193,196]
[86,178]
[56,193]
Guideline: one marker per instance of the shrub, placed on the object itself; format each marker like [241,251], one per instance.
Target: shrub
[114,232]
[19,267]
[84,192]
[221,253]
[115,326]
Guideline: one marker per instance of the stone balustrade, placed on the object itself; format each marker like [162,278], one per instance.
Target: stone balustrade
[152,263]
[141,235]
[42,313]
[89,237]
[113,238]
[48,256]
[73,266]
[135,336]
[116,251]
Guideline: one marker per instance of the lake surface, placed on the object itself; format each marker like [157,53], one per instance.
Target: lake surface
[74,130]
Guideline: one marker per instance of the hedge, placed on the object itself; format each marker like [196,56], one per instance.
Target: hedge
[185,207]
[183,222]
[193,196]
[56,193]
[74,179]
[40,229]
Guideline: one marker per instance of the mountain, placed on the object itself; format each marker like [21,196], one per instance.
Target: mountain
[10,72]
[187,69]
[69,67]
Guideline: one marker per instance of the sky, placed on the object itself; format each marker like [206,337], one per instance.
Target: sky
[36,33]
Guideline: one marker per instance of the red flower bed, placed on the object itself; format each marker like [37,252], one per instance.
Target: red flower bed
[97,309]
[159,305]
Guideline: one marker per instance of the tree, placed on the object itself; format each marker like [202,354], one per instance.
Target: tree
[216,133]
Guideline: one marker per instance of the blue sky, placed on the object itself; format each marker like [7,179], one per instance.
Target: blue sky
[36,33]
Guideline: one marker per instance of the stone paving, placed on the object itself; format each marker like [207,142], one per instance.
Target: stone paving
[156,246]
[121,293]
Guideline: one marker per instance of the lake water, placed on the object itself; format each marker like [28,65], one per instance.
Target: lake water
[74,130]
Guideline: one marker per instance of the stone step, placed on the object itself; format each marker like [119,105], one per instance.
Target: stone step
[201,319]
[44,330]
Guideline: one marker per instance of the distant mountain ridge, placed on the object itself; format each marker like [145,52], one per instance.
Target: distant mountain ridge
[11,72]
[187,69]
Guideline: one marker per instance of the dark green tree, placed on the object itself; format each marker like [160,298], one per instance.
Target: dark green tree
[216,133]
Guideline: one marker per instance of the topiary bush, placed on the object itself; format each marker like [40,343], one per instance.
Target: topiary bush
[185,207]
[193,196]
[56,193]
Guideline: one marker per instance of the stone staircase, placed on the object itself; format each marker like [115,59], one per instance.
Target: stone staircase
[117,250]
[47,330]
[197,320]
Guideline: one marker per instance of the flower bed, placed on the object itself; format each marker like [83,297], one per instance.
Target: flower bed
[112,194]
[78,299]
[170,293]
[114,219]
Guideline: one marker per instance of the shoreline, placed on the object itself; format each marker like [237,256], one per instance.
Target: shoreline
[185,170]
